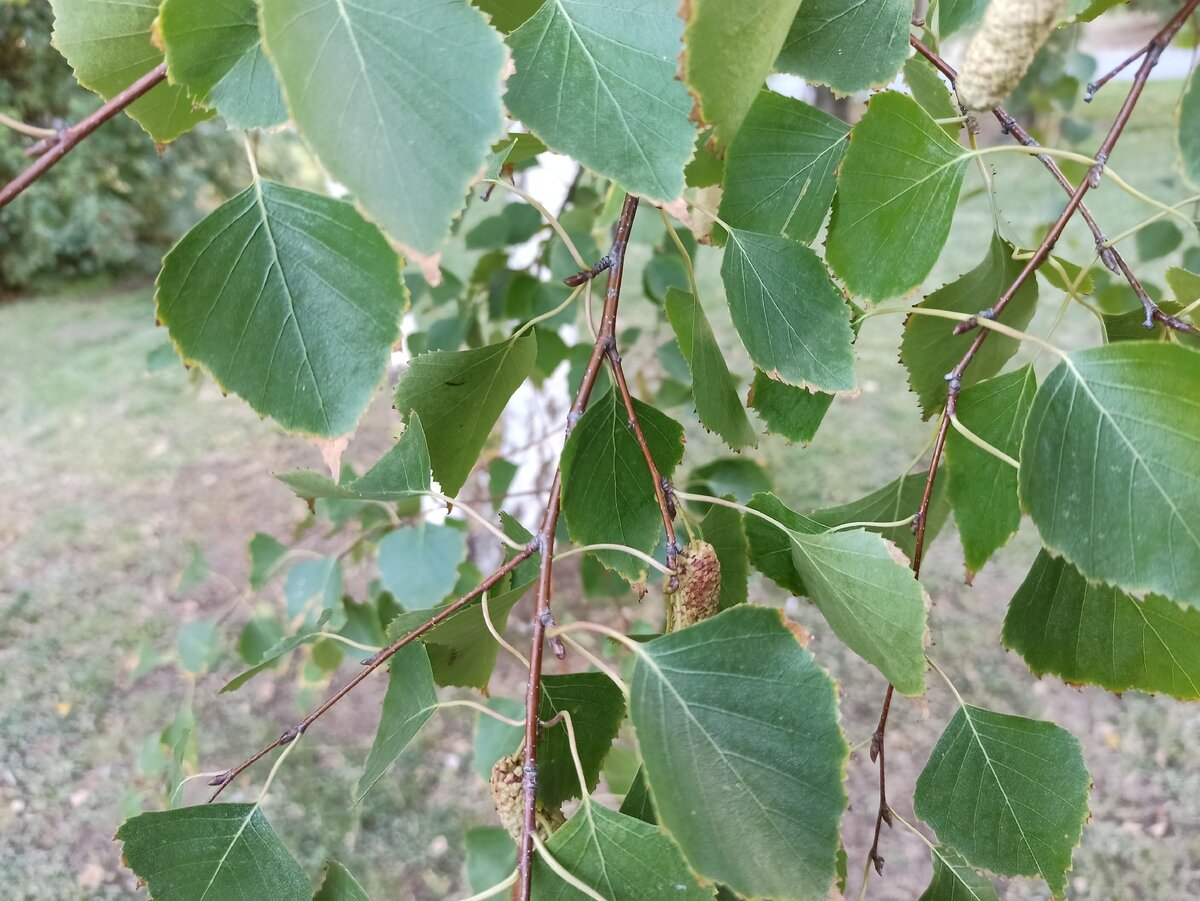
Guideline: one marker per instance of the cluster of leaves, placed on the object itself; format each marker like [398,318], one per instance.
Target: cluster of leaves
[292,300]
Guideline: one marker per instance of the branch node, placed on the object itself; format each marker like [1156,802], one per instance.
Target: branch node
[221,780]
[586,275]
[669,493]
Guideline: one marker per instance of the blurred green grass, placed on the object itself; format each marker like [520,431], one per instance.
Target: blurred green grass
[111,473]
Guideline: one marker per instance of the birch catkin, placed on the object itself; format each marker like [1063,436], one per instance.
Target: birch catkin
[1000,52]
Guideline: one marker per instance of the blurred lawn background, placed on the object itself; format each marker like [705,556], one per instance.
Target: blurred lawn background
[118,466]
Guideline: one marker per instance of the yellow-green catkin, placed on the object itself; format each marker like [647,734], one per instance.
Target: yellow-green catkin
[508,794]
[1002,49]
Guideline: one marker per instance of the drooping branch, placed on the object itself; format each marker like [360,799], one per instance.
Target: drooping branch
[63,143]
[955,376]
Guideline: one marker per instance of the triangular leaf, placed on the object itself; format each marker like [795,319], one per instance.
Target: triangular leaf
[339,885]
[291,300]
[366,84]
[931,92]
[402,472]
[459,395]
[1108,466]
[795,413]
[743,752]
[637,802]
[410,700]
[848,46]
[1008,793]
[897,190]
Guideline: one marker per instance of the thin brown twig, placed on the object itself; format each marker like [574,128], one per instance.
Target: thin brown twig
[954,377]
[72,135]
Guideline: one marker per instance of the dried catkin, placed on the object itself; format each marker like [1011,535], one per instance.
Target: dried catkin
[1000,52]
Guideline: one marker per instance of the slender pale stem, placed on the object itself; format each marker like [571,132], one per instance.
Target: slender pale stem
[846,526]
[981,444]
[598,629]
[546,214]
[491,627]
[550,314]
[482,708]
[633,552]
[598,663]
[990,324]
[1130,232]
[333,636]
[478,517]
[496,889]
[562,872]
[687,257]
[31,131]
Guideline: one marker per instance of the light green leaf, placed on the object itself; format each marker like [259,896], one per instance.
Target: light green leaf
[318,580]
[612,63]
[795,413]
[713,387]
[954,15]
[1157,239]
[722,528]
[1007,793]
[198,647]
[495,739]
[265,556]
[402,472]
[794,322]
[983,488]
[1108,466]
[956,880]
[340,885]
[108,44]
[743,752]
[931,92]
[491,856]
[608,494]
[898,499]
[1098,635]
[850,45]
[780,169]
[214,50]
[291,300]
[367,85]
[730,50]
[897,190]
[871,600]
[620,857]
[268,659]
[410,700]
[930,349]
[418,563]
[597,708]
[211,851]
[459,395]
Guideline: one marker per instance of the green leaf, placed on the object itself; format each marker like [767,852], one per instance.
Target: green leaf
[417,563]
[1098,635]
[931,92]
[109,46]
[273,653]
[795,413]
[265,556]
[597,707]
[930,349]
[495,739]
[899,499]
[211,851]
[340,885]
[730,49]
[318,580]
[722,528]
[717,402]
[871,600]
[1157,239]
[505,16]
[198,646]
[1108,466]
[608,495]
[291,300]
[1188,135]
[613,67]
[514,224]
[780,169]
[1184,285]
[258,636]
[743,752]
[956,880]
[214,50]
[637,802]
[954,15]
[794,322]
[410,700]
[983,489]
[897,190]
[367,86]
[491,856]
[770,548]
[1007,793]
[850,46]
[621,857]
[400,473]
[739,477]
[459,395]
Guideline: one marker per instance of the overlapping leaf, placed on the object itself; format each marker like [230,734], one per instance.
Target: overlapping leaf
[722,528]
[597,708]
[400,473]
[291,300]
[611,66]
[849,45]
[367,85]
[795,413]
[410,700]
[1108,466]
[743,752]
[956,880]
[339,884]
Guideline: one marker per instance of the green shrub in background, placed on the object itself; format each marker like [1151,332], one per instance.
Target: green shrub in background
[114,208]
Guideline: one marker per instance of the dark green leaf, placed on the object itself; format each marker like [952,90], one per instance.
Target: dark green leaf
[615,64]
[956,880]
[713,387]
[515,223]
[417,563]
[794,322]
[211,851]
[368,88]
[722,528]
[897,190]
[929,349]
[983,489]
[849,46]
[1098,635]
[637,802]
[340,885]
[265,556]
[272,291]
[410,700]
[274,653]
[739,477]
[770,548]
[258,636]
[506,15]
[1158,239]
[597,708]
[795,413]
[1108,468]
[743,752]
[899,499]
[1008,793]
[779,171]
[459,396]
